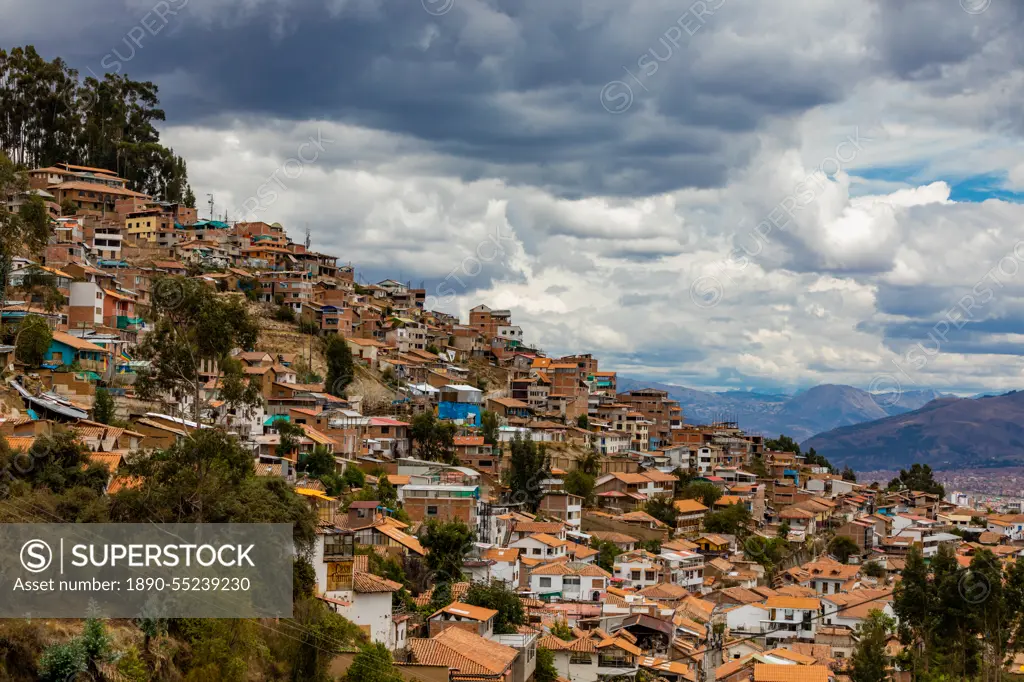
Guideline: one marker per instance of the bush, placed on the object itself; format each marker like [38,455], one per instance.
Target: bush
[61,662]
[284,313]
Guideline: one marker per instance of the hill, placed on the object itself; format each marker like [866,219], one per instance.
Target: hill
[947,433]
[800,416]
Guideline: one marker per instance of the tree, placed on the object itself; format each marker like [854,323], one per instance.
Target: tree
[783,531]
[812,458]
[843,548]
[606,553]
[448,542]
[528,466]
[30,226]
[340,366]
[769,552]
[284,313]
[353,477]
[782,444]
[583,421]
[322,634]
[870,661]
[194,329]
[103,408]
[589,463]
[873,569]
[562,631]
[319,463]
[489,427]
[289,436]
[209,478]
[733,520]
[706,492]
[849,474]
[373,663]
[662,509]
[62,662]
[500,598]
[578,483]
[546,670]
[33,340]
[440,596]
[919,478]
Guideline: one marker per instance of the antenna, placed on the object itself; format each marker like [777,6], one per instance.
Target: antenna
[307,237]
[211,205]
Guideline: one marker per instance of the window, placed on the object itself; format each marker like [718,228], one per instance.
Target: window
[431,510]
[535,551]
[545,582]
[576,658]
[634,574]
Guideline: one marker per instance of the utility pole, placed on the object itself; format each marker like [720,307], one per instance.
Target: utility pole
[210,202]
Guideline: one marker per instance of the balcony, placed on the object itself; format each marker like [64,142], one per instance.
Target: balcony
[614,662]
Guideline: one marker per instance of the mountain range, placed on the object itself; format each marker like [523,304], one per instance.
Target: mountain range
[948,433]
[799,416]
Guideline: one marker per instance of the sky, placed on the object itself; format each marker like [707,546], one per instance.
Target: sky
[724,194]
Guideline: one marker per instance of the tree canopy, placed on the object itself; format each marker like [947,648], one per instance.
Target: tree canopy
[448,542]
[195,328]
[52,116]
[919,477]
[528,466]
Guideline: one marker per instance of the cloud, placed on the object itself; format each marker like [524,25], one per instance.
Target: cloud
[766,196]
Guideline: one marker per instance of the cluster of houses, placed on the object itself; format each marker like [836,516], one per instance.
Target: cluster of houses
[625,591]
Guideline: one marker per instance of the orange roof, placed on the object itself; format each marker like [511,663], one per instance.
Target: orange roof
[766,672]
[782,602]
[467,611]
[467,652]
[689,506]
[77,343]
[469,440]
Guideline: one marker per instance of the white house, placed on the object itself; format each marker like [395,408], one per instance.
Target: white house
[540,546]
[790,618]
[569,581]
[362,597]
[638,569]
[852,608]
[746,619]
[684,568]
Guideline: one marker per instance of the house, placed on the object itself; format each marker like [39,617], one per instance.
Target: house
[368,605]
[66,349]
[790,618]
[563,506]
[594,656]
[711,543]
[569,581]
[541,546]
[474,619]
[638,569]
[509,408]
[469,656]
[504,565]
[691,517]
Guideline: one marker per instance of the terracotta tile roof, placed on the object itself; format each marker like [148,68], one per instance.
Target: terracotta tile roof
[467,611]
[469,440]
[470,654]
[612,536]
[553,643]
[765,672]
[502,554]
[689,506]
[368,583]
[548,540]
[784,602]
[664,591]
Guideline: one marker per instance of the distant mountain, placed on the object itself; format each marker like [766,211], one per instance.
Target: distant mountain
[799,416]
[947,433]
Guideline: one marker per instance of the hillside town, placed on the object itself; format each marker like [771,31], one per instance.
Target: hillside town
[594,530]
